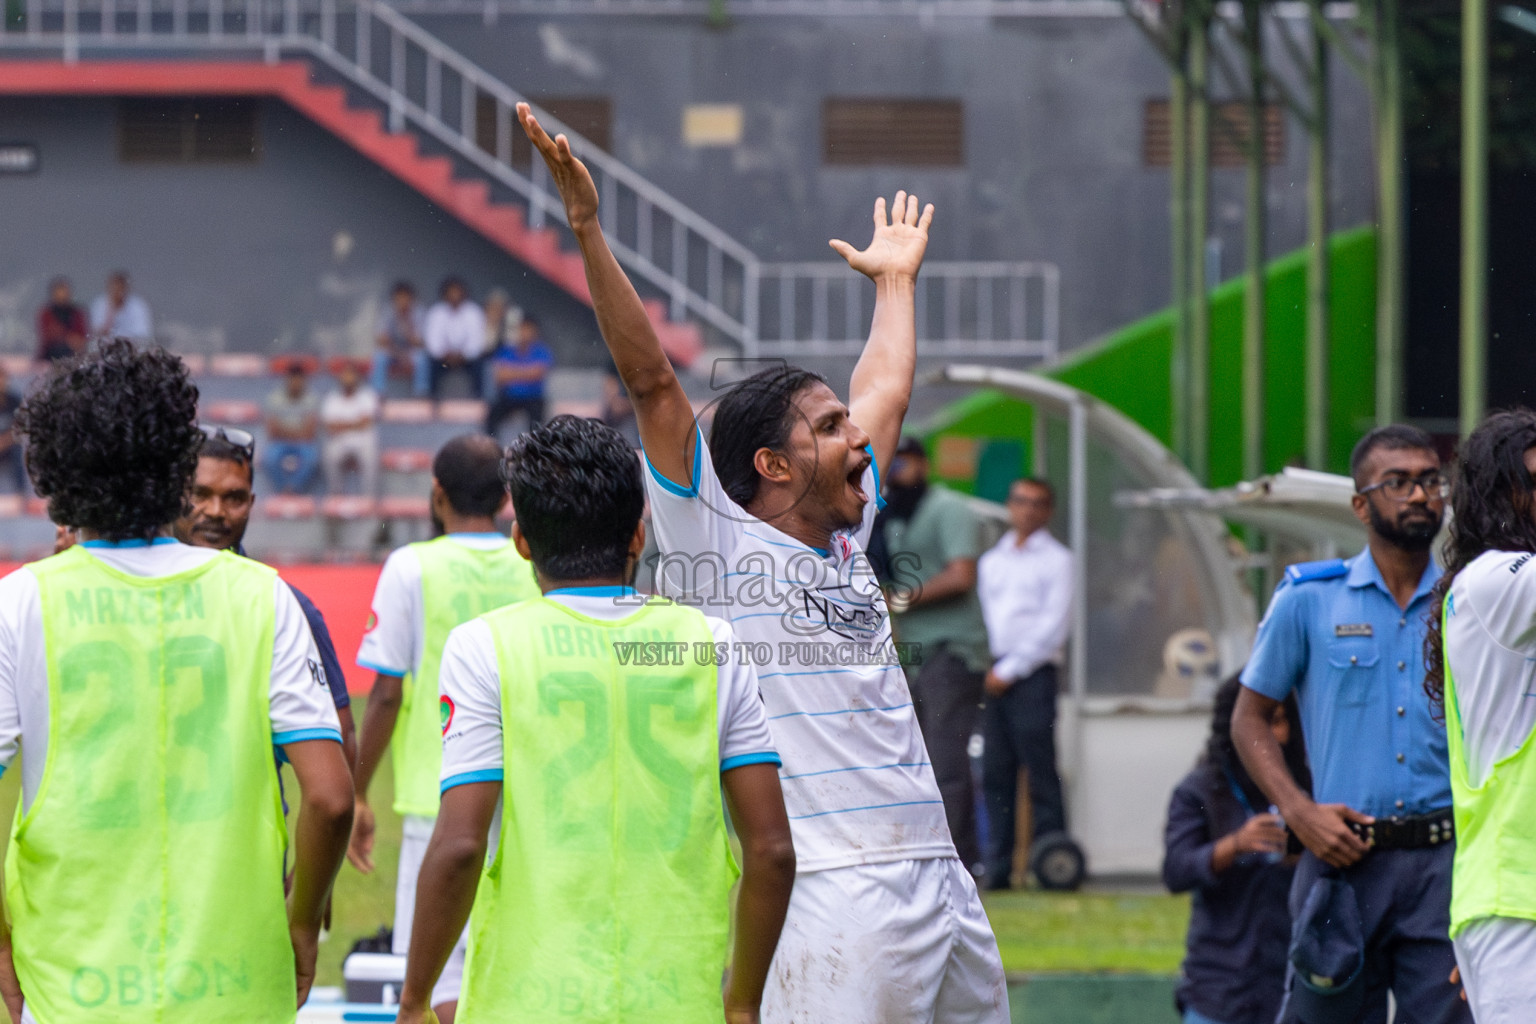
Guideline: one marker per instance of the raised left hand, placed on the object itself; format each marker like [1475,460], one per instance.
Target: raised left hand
[899,243]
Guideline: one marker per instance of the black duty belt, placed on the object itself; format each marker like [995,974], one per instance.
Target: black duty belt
[1408,833]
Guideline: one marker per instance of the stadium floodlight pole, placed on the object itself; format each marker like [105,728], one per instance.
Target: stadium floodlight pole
[1474,212]
[1178,209]
[1199,62]
[1390,315]
[1254,295]
[1317,255]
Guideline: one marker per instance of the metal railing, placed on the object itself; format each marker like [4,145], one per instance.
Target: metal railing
[962,308]
[421,83]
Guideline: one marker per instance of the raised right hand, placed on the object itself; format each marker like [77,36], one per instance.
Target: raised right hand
[360,847]
[577,189]
[1322,829]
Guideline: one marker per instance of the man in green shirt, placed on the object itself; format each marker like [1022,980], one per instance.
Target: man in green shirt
[933,540]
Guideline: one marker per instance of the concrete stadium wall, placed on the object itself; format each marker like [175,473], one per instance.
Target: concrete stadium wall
[1053,136]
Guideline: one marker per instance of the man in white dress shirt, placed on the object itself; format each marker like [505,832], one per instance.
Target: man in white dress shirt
[454,336]
[1025,586]
[118,313]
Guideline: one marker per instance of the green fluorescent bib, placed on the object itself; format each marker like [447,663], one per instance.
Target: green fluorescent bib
[1495,828]
[457,583]
[608,897]
[145,883]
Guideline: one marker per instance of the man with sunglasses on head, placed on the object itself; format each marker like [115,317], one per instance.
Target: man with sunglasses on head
[220,504]
[1371,895]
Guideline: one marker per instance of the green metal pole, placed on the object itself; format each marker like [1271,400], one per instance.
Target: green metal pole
[1317,256]
[1390,233]
[1474,212]
[1178,209]
[1199,215]
[1253,306]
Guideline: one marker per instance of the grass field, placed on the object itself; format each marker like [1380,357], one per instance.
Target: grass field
[1037,932]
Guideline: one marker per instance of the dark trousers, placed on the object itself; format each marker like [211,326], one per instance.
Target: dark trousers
[947,696]
[1020,731]
[473,368]
[506,406]
[1405,914]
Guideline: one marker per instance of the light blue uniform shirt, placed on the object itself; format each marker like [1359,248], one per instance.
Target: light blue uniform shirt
[1336,636]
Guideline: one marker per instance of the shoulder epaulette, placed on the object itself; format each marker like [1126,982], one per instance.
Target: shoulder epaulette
[1306,572]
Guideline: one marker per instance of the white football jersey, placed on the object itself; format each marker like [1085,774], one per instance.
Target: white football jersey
[856,777]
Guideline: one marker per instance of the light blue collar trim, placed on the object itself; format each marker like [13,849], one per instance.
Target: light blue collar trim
[491,535]
[133,543]
[608,591]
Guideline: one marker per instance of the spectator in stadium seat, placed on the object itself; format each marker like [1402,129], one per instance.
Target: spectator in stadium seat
[519,371]
[293,428]
[61,325]
[454,336]
[175,842]
[501,320]
[933,540]
[118,313]
[1221,843]
[402,351]
[219,510]
[350,415]
[10,446]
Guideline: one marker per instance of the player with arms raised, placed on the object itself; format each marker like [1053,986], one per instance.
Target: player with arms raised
[768,519]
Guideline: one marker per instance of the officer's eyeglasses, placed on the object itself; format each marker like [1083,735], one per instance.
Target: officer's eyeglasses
[1400,486]
[242,440]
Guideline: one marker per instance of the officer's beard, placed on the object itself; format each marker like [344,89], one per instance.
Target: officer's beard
[1407,532]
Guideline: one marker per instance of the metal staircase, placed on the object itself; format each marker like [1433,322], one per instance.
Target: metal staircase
[706,287]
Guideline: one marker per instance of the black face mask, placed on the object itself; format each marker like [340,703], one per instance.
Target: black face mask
[901,502]
[63,313]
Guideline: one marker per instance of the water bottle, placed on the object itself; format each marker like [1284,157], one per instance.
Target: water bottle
[1279,855]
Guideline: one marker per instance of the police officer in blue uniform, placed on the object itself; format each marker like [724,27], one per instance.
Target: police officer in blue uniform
[1348,637]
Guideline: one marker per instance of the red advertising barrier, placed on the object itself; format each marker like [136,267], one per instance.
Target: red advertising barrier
[343,594]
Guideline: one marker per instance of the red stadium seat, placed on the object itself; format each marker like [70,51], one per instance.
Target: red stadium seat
[347,506]
[37,507]
[237,364]
[405,508]
[461,410]
[406,460]
[11,506]
[196,363]
[287,506]
[406,410]
[17,366]
[231,412]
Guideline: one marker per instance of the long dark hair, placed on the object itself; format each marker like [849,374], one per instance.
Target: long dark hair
[756,413]
[1220,756]
[1491,509]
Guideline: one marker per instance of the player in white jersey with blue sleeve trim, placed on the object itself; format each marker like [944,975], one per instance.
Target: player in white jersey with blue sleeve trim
[765,527]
